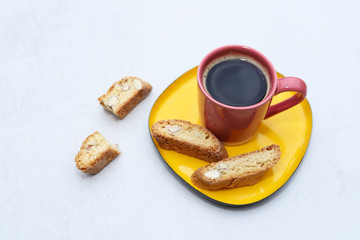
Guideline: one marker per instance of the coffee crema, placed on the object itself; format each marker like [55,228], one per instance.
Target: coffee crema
[236,80]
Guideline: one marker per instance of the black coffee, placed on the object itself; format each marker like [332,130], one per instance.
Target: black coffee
[236,82]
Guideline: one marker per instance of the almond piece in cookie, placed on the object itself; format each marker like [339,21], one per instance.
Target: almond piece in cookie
[124,95]
[188,138]
[241,170]
[95,153]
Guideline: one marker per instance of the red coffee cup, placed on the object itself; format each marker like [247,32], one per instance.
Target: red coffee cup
[236,125]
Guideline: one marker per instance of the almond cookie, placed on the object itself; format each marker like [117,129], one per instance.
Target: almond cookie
[95,153]
[241,170]
[188,138]
[124,95]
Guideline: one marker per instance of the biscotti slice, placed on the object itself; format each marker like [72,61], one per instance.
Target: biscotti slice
[241,170]
[95,153]
[188,138]
[124,95]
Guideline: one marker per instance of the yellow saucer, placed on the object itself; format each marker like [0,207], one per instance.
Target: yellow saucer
[290,129]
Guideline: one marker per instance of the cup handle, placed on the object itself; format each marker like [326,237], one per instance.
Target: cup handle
[286,84]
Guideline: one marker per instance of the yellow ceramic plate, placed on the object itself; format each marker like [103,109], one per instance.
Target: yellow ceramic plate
[290,129]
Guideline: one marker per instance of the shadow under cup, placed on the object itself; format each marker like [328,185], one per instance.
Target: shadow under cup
[236,125]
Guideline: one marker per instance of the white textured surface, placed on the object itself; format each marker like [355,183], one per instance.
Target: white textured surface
[57,57]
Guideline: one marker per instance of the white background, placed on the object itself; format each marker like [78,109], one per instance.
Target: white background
[57,57]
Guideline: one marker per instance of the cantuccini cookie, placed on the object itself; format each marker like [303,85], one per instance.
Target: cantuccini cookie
[241,170]
[188,138]
[95,153]
[124,95]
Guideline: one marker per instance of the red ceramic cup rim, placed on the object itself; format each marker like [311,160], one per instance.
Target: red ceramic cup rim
[243,50]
